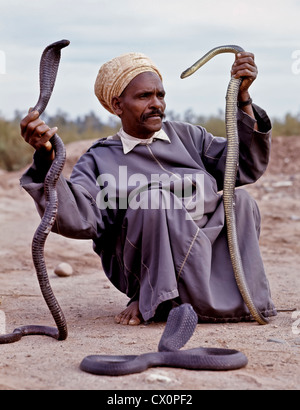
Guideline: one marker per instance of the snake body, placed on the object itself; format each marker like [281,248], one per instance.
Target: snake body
[180,327]
[231,166]
[48,70]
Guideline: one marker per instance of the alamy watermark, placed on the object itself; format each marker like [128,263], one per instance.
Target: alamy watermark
[2,62]
[296,323]
[2,323]
[155,191]
[296,63]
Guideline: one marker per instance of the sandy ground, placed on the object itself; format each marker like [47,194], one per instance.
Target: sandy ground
[90,302]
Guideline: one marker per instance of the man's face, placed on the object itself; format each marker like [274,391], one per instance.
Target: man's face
[141,106]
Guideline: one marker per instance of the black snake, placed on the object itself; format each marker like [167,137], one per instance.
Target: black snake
[182,320]
[180,327]
[48,71]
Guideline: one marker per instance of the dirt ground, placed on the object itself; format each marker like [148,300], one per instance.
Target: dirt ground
[90,302]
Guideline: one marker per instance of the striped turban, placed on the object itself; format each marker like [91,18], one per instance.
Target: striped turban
[116,74]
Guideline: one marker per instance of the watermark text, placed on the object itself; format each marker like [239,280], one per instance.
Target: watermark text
[156,191]
[2,323]
[296,62]
[296,323]
[2,62]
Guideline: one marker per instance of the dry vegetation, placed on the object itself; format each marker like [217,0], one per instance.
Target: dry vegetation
[14,154]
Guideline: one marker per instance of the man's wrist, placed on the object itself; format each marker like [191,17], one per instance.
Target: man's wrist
[47,153]
[242,104]
[242,97]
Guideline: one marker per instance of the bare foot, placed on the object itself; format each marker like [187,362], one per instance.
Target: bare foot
[130,316]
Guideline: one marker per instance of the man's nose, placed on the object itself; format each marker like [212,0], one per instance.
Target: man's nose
[157,102]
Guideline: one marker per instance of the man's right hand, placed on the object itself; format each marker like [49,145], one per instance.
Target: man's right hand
[36,133]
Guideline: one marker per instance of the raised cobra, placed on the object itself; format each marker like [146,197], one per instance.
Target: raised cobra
[48,71]
[232,158]
[180,327]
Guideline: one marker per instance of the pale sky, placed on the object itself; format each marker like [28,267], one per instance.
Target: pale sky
[174,33]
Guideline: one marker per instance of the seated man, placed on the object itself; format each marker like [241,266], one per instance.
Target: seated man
[149,197]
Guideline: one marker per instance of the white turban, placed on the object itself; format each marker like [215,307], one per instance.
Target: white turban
[116,74]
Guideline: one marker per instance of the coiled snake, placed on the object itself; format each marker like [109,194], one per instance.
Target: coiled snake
[182,320]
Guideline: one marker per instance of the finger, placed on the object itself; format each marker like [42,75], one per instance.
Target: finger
[42,129]
[48,146]
[243,65]
[244,70]
[249,74]
[47,135]
[244,61]
[245,54]
[33,115]
[50,133]
[31,129]
[43,141]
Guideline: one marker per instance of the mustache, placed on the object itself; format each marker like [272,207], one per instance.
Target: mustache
[153,112]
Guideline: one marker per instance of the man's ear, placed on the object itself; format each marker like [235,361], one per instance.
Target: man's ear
[117,105]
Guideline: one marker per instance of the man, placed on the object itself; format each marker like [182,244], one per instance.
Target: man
[149,197]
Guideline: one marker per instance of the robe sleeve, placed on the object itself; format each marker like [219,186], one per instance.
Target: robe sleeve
[78,215]
[254,149]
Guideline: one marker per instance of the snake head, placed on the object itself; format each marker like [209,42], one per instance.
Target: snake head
[48,70]
[212,53]
[51,54]
[60,44]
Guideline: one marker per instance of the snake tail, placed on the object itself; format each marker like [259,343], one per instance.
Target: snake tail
[231,166]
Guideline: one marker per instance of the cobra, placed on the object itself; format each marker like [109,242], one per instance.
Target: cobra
[181,321]
[48,70]
[231,166]
[180,327]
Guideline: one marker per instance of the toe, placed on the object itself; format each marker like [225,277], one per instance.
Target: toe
[135,321]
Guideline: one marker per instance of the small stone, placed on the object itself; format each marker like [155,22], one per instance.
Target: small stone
[63,270]
[155,377]
[274,340]
[282,184]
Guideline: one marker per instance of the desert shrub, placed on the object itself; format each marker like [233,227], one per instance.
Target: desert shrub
[16,154]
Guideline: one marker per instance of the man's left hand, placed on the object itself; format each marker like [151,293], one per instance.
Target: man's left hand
[244,66]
